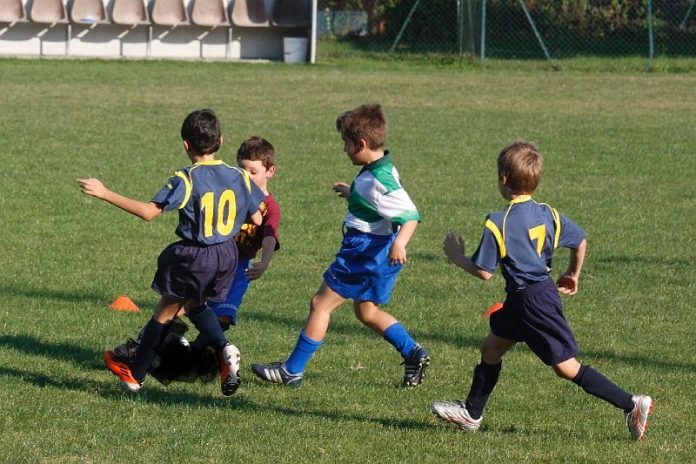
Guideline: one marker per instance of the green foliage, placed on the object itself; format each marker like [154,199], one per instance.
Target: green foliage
[619,159]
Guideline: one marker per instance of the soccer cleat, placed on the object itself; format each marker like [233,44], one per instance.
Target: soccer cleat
[275,372]
[119,367]
[127,350]
[637,419]
[229,359]
[456,412]
[415,365]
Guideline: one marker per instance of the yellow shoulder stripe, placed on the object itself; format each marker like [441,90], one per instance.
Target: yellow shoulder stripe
[247,179]
[498,237]
[557,221]
[187,184]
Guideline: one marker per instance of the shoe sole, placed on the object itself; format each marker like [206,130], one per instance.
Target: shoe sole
[647,422]
[231,383]
[422,365]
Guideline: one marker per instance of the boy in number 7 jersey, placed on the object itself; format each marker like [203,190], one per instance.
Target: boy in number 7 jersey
[213,200]
[521,240]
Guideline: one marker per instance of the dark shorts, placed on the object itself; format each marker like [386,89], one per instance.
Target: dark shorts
[189,271]
[534,316]
[362,270]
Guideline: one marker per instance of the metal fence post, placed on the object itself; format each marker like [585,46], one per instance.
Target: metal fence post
[460,32]
[403,27]
[536,32]
[651,47]
[483,30]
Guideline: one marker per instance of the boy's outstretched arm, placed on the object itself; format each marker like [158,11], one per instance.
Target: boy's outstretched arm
[568,282]
[267,249]
[397,253]
[144,210]
[454,248]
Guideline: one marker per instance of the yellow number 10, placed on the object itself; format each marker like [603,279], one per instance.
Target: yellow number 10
[225,222]
[538,233]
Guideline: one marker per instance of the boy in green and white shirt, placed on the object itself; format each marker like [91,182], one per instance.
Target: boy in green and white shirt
[380,222]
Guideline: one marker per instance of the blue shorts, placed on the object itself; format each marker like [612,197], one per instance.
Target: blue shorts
[233,301]
[361,270]
[190,271]
[534,316]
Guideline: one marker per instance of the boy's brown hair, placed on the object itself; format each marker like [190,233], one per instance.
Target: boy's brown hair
[367,122]
[255,149]
[521,164]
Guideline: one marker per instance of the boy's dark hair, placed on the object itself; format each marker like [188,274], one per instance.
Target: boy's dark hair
[201,129]
[255,149]
[367,122]
[521,164]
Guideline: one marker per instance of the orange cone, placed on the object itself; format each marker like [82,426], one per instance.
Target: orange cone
[493,308]
[123,303]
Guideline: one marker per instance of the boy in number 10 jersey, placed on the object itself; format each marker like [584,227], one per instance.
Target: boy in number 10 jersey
[213,200]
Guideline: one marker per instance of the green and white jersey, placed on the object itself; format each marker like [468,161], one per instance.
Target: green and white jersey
[377,200]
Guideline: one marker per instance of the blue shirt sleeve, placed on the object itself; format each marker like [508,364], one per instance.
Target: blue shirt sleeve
[571,234]
[487,254]
[172,194]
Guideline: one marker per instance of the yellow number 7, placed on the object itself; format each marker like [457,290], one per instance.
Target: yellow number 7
[538,233]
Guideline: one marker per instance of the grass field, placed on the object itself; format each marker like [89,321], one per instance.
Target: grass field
[620,160]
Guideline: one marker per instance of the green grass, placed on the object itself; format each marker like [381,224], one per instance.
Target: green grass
[619,150]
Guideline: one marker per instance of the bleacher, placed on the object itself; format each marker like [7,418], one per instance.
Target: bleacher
[179,29]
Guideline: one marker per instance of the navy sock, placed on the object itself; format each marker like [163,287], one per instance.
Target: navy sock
[201,341]
[485,378]
[597,385]
[400,339]
[207,323]
[152,335]
[300,356]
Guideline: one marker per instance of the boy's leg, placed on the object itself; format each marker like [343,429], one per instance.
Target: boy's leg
[416,358]
[594,383]
[469,414]
[133,374]
[206,321]
[153,334]
[323,303]
[636,408]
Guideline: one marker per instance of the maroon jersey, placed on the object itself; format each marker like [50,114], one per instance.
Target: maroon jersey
[251,236]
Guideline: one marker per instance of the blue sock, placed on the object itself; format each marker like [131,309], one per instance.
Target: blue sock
[208,325]
[400,339]
[300,356]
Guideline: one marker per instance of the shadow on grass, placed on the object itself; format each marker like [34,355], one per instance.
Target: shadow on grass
[169,398]
[98,299]
[80,355]
[352,328]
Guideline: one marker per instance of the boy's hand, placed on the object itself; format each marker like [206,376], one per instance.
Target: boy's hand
[567,284]
[342,189]
[92,186]
[453,246]
[397,253]
[255,271]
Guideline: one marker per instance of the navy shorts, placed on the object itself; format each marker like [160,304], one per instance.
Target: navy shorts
[190,271]
[534,316]
[362,270]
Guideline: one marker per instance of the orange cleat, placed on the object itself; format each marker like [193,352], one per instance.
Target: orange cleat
[121,370]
